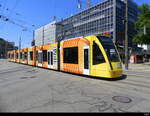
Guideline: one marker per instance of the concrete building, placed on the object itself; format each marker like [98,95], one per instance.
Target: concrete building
[45,34]
[5,46]
[106,16]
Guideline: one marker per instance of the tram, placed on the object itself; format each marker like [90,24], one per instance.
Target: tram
[94,56]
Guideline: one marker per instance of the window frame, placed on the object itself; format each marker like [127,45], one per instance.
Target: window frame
[72,57]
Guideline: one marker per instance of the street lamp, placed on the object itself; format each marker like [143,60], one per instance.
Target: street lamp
[126,39]
[59,40]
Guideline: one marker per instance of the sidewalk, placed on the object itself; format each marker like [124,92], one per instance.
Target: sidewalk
[139,67]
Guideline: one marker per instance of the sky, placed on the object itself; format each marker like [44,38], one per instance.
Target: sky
[34,14]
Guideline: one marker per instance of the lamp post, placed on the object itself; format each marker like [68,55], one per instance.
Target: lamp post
[126,39]
[59,40]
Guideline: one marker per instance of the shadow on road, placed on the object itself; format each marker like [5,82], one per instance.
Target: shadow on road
[99,78]
[108,79]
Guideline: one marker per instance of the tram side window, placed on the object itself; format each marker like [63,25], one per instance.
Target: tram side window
[71,55]
[20,55]
[31,56]
[45,55]
[16,55]
[25,56]
[98,57]
[12,56]
[40,57]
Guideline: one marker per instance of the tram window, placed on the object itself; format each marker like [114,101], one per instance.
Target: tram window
[20,55]
[98,57]
[25,56]
[31,55]
[45,55]
[48,58]
[17,56]
[109,48]
[71,55]
[13,56]
[40,57]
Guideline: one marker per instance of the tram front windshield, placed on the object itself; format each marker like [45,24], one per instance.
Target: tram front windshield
[109,48]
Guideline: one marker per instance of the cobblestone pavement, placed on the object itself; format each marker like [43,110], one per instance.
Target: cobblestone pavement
[30,89]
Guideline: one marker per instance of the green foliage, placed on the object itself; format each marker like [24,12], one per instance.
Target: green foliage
[144,20]
[142,39]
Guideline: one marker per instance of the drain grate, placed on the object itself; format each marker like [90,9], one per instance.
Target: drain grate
[122,99]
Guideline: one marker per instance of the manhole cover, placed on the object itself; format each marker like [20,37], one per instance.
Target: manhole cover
[122,99]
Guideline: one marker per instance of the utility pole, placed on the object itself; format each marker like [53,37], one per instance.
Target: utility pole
[126,39]
[20,43]
[59,40]
[33,41]
[6,49]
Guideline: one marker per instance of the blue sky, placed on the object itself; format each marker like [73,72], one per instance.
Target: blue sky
[35,12]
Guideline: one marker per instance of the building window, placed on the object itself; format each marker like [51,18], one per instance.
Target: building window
[71,55]
[45,55]
[98,57]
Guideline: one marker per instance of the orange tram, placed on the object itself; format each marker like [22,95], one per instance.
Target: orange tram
[94,56]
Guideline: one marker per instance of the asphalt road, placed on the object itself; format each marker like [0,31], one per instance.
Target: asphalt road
[29,89]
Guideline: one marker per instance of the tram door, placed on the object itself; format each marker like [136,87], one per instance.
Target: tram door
[50,59]
[86,70]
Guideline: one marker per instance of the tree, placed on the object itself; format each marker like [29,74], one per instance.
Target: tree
[143,26]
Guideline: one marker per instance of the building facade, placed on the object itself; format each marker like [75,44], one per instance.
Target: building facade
[45,34]
[5,46]
[106,16]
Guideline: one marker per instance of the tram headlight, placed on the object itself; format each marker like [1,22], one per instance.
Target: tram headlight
[118,66]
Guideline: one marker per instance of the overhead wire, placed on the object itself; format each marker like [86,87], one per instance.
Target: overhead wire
[10,16]
[13,8]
